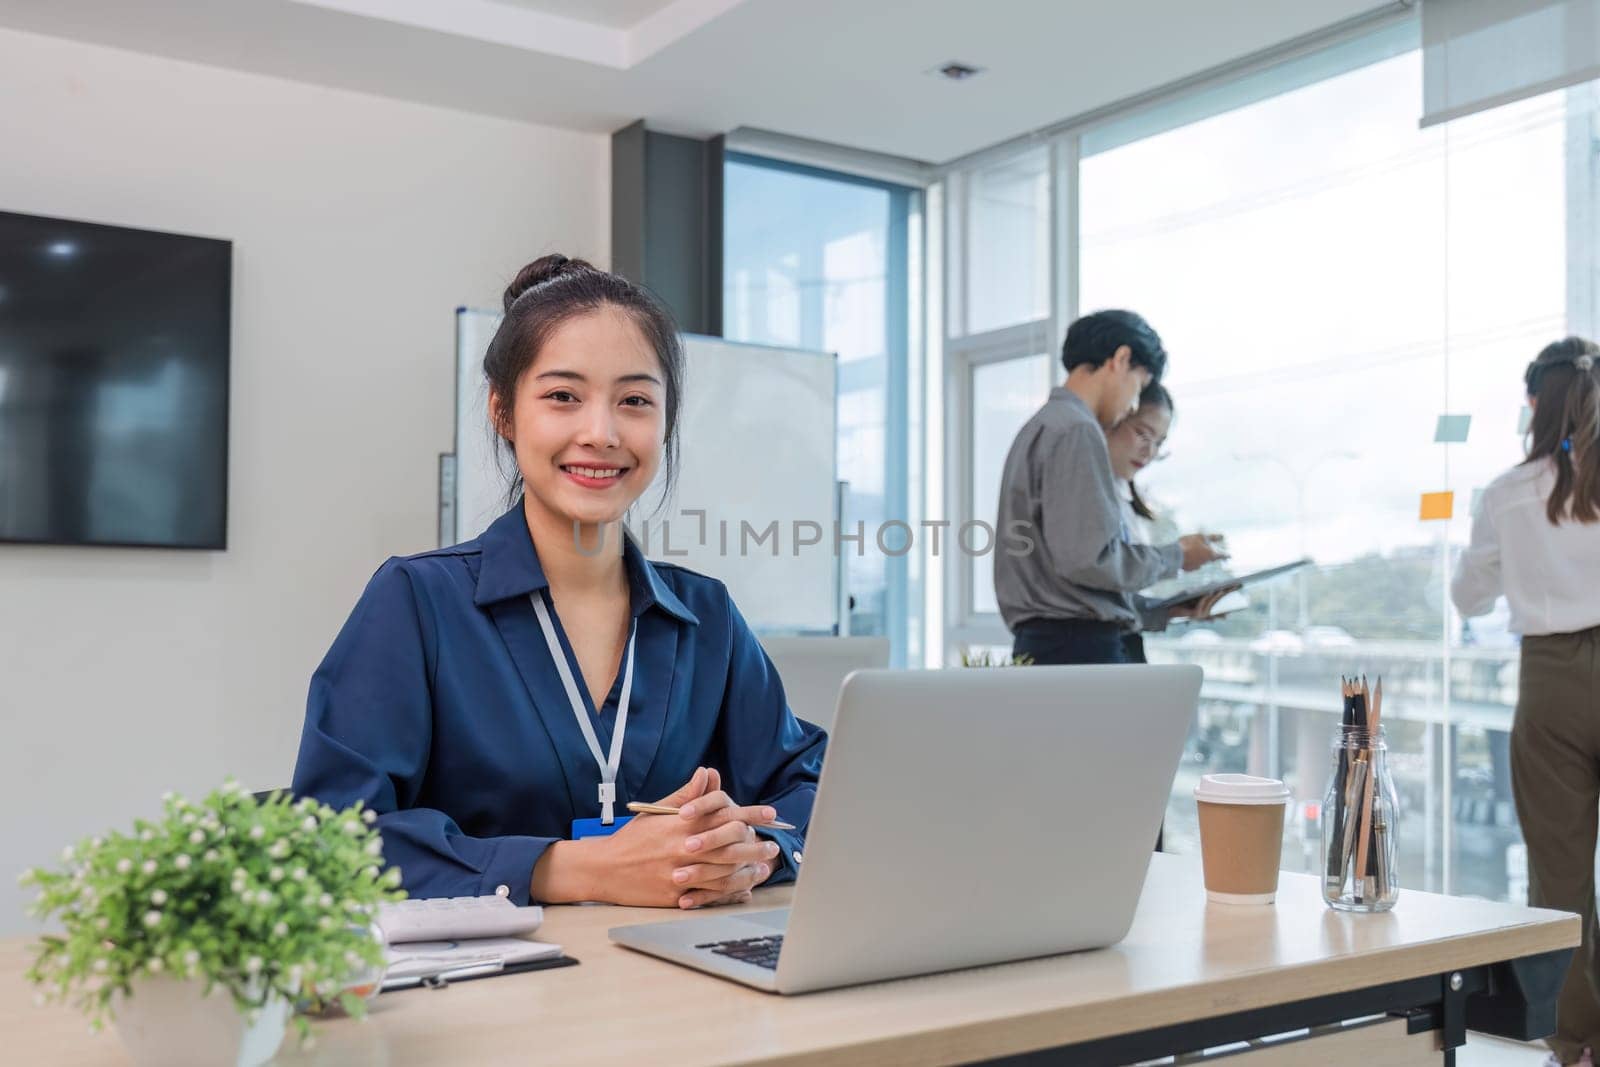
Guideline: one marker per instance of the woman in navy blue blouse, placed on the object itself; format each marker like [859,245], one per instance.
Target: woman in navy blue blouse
[475,694]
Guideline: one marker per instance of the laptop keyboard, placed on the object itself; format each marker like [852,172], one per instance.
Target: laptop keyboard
[760,951]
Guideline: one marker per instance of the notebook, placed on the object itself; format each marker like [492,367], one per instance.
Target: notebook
[416,960]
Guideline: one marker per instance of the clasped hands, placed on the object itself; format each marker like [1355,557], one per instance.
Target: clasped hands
[707,854]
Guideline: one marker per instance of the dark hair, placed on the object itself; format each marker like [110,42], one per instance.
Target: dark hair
[548,292]
[1153,395]
[1565,381]
[1094,339]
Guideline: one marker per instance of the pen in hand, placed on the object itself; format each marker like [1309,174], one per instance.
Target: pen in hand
[667,809]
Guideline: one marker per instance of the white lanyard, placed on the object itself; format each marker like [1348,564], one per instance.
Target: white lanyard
[608,764]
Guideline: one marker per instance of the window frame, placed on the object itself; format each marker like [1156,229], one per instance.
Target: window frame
[1349,45]
[905,297]
[1356,43]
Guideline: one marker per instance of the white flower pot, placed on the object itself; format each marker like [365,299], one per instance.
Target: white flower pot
[167,1023]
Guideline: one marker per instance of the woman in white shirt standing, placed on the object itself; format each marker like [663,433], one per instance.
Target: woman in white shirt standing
[1536,540]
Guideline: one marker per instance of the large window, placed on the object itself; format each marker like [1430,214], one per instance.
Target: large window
[1329,279]
[1008,243]
[998,360]
[1005,394]
[819,260]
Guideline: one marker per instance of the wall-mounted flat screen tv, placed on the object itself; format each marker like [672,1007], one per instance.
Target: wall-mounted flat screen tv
[113,385]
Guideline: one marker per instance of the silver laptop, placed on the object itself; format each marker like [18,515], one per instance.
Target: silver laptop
[964,817]
[813,669]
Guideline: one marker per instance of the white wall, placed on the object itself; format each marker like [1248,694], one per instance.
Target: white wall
[359,224]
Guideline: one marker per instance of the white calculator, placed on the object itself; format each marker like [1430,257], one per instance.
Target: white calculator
[456,918]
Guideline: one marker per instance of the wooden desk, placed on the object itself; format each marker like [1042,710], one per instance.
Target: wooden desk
[1189,975]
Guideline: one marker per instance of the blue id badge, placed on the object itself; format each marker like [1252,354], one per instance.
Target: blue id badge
[582,828]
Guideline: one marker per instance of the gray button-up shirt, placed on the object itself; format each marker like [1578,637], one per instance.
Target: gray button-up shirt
[1058,490]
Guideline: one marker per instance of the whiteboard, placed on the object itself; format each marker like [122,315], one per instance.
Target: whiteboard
[757,454]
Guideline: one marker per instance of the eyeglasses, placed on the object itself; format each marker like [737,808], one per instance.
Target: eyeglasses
[1149,441]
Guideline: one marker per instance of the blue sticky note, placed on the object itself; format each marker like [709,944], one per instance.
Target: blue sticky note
[1452,429]
[1526,420]
[1477,498]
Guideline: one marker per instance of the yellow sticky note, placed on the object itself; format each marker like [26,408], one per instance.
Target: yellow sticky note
[1437,506]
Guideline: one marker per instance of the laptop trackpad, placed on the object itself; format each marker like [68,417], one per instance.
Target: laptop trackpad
[772,920]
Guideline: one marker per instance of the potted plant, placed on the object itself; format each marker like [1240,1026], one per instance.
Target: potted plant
[198,933]
[989,659]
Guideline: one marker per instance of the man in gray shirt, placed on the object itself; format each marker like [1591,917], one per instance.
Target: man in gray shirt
[1071,599]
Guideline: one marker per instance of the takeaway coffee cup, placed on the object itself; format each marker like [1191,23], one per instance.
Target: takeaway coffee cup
[1241,836]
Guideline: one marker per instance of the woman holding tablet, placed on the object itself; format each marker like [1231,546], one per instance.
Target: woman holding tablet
[1134,444]
[1536,541]
[497,703]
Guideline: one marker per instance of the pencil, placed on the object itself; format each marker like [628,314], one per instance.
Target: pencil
[1335,871]
[666,809]
[1358,773]
[1380,822]
[1363,837]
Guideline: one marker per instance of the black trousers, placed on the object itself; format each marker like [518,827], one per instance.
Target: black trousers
[1078,641]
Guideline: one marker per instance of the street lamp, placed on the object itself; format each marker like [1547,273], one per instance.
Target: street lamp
[1301,478]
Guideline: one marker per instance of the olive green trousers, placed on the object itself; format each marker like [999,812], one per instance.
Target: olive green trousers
[1555,777]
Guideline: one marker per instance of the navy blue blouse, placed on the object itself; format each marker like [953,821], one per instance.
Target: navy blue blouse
[439,706]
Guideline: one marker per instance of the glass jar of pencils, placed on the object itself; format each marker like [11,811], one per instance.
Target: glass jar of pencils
[1359,819]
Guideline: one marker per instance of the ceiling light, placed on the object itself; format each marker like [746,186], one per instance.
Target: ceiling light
[63,249]
[957,71]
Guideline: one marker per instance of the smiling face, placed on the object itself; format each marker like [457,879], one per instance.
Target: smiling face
[587,419]
[1136,441]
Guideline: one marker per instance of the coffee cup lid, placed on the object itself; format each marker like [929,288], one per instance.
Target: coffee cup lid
[1240,789]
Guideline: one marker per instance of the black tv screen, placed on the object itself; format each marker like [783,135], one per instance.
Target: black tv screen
[113,385]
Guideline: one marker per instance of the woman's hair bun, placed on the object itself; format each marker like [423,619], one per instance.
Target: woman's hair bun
[541,270]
